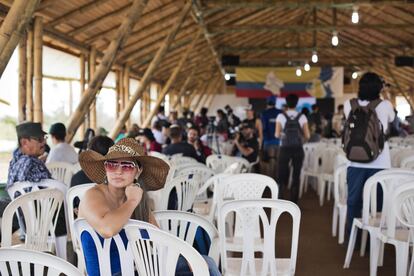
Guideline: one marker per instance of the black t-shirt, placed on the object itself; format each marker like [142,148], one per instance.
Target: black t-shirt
[254,144]
[80,178]
[184,148]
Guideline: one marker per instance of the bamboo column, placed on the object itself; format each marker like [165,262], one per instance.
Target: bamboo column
[125,84]
[22,79]
[38,70]
[104,67]
[82,81]
[118,93]
[182,91]
[29,76]
[171,80]
[92,69]
[13,27]
[150,71]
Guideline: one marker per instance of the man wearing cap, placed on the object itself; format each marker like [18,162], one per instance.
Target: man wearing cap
[62,151]
[270,142]
[26,165]
[247,143]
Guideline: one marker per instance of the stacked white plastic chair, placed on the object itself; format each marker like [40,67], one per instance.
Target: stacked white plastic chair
[34,263]
[247,186]
[61,171]
[76,192]
[184,225]
[372,219]
[219,163]
[39,211]
[248,264]
[340,205]
[156,252]
[311,166]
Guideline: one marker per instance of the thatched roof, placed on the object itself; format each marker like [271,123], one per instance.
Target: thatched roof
[268,33]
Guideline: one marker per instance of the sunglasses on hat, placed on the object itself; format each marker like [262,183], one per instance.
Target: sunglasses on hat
[126,166]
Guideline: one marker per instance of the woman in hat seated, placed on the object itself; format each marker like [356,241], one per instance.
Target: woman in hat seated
[124,175]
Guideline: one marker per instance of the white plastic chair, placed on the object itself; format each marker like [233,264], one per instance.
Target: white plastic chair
[61,171]
[156,252]
[75,168]
[408,163]
[246,211]
[186,188]
[20,188]
[184,225]
[180,160]
[371,219]
[73,193]
[33,263]
[219,163]
[311,166]
[159,155]
[400,155]
[403,209]
[103,246]
[340,197]
[40,213]
[239,187]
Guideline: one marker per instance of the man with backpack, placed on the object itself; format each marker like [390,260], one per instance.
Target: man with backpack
[364,139]
[292,129]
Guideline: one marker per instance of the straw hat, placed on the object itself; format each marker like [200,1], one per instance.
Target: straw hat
[154,171]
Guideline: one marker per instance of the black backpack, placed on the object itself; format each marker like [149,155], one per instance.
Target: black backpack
[292,132]
[363,136]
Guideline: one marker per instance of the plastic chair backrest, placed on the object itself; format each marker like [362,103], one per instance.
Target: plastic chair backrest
[34,263]
[328,158]
[184,225]
[76,168]
[39,211]
[218,163]
[61,171]
[159,155]
[179,160]
[389,179]
[408,162]
[73,193]
[203,171]
[401,155]
[245,210]
[156,252]
[103,246]
[186,187]
[340,185]
[245,186]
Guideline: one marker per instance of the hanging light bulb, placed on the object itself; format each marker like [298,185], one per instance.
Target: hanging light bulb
[227,77]
[335,39]
[314,57]
[298,72]
[355,15]
[354,75]
[307,67]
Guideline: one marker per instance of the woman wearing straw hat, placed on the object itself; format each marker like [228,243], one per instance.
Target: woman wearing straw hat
[124,175]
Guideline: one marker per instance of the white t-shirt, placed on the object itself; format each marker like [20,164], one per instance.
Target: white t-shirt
[63,152]
[292,114]
[386,114]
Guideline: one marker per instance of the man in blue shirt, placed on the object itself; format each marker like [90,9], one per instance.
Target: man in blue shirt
[270,142]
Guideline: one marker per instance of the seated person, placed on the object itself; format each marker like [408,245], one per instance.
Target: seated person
[178,146]
[147,139]
[124,174]
[62,151]
[246,143]
[194,140]
[100,144]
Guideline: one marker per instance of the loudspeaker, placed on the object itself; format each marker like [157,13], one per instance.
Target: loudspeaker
[404,61]
[230,60]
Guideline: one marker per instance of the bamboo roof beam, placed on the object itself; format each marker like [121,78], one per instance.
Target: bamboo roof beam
[171,80]
[214,30]
[105,66]
[13,28]
[99,20]
[76,12]
[239,4]
[198,17]
[150,71]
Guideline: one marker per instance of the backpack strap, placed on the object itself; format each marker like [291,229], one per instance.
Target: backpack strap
[286,116]
[373,104]
[354,104]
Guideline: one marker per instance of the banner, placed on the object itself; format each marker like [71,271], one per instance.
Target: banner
[262,82]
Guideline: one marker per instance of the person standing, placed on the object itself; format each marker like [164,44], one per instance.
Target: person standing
[270,142]
[292,129]
[370,87]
